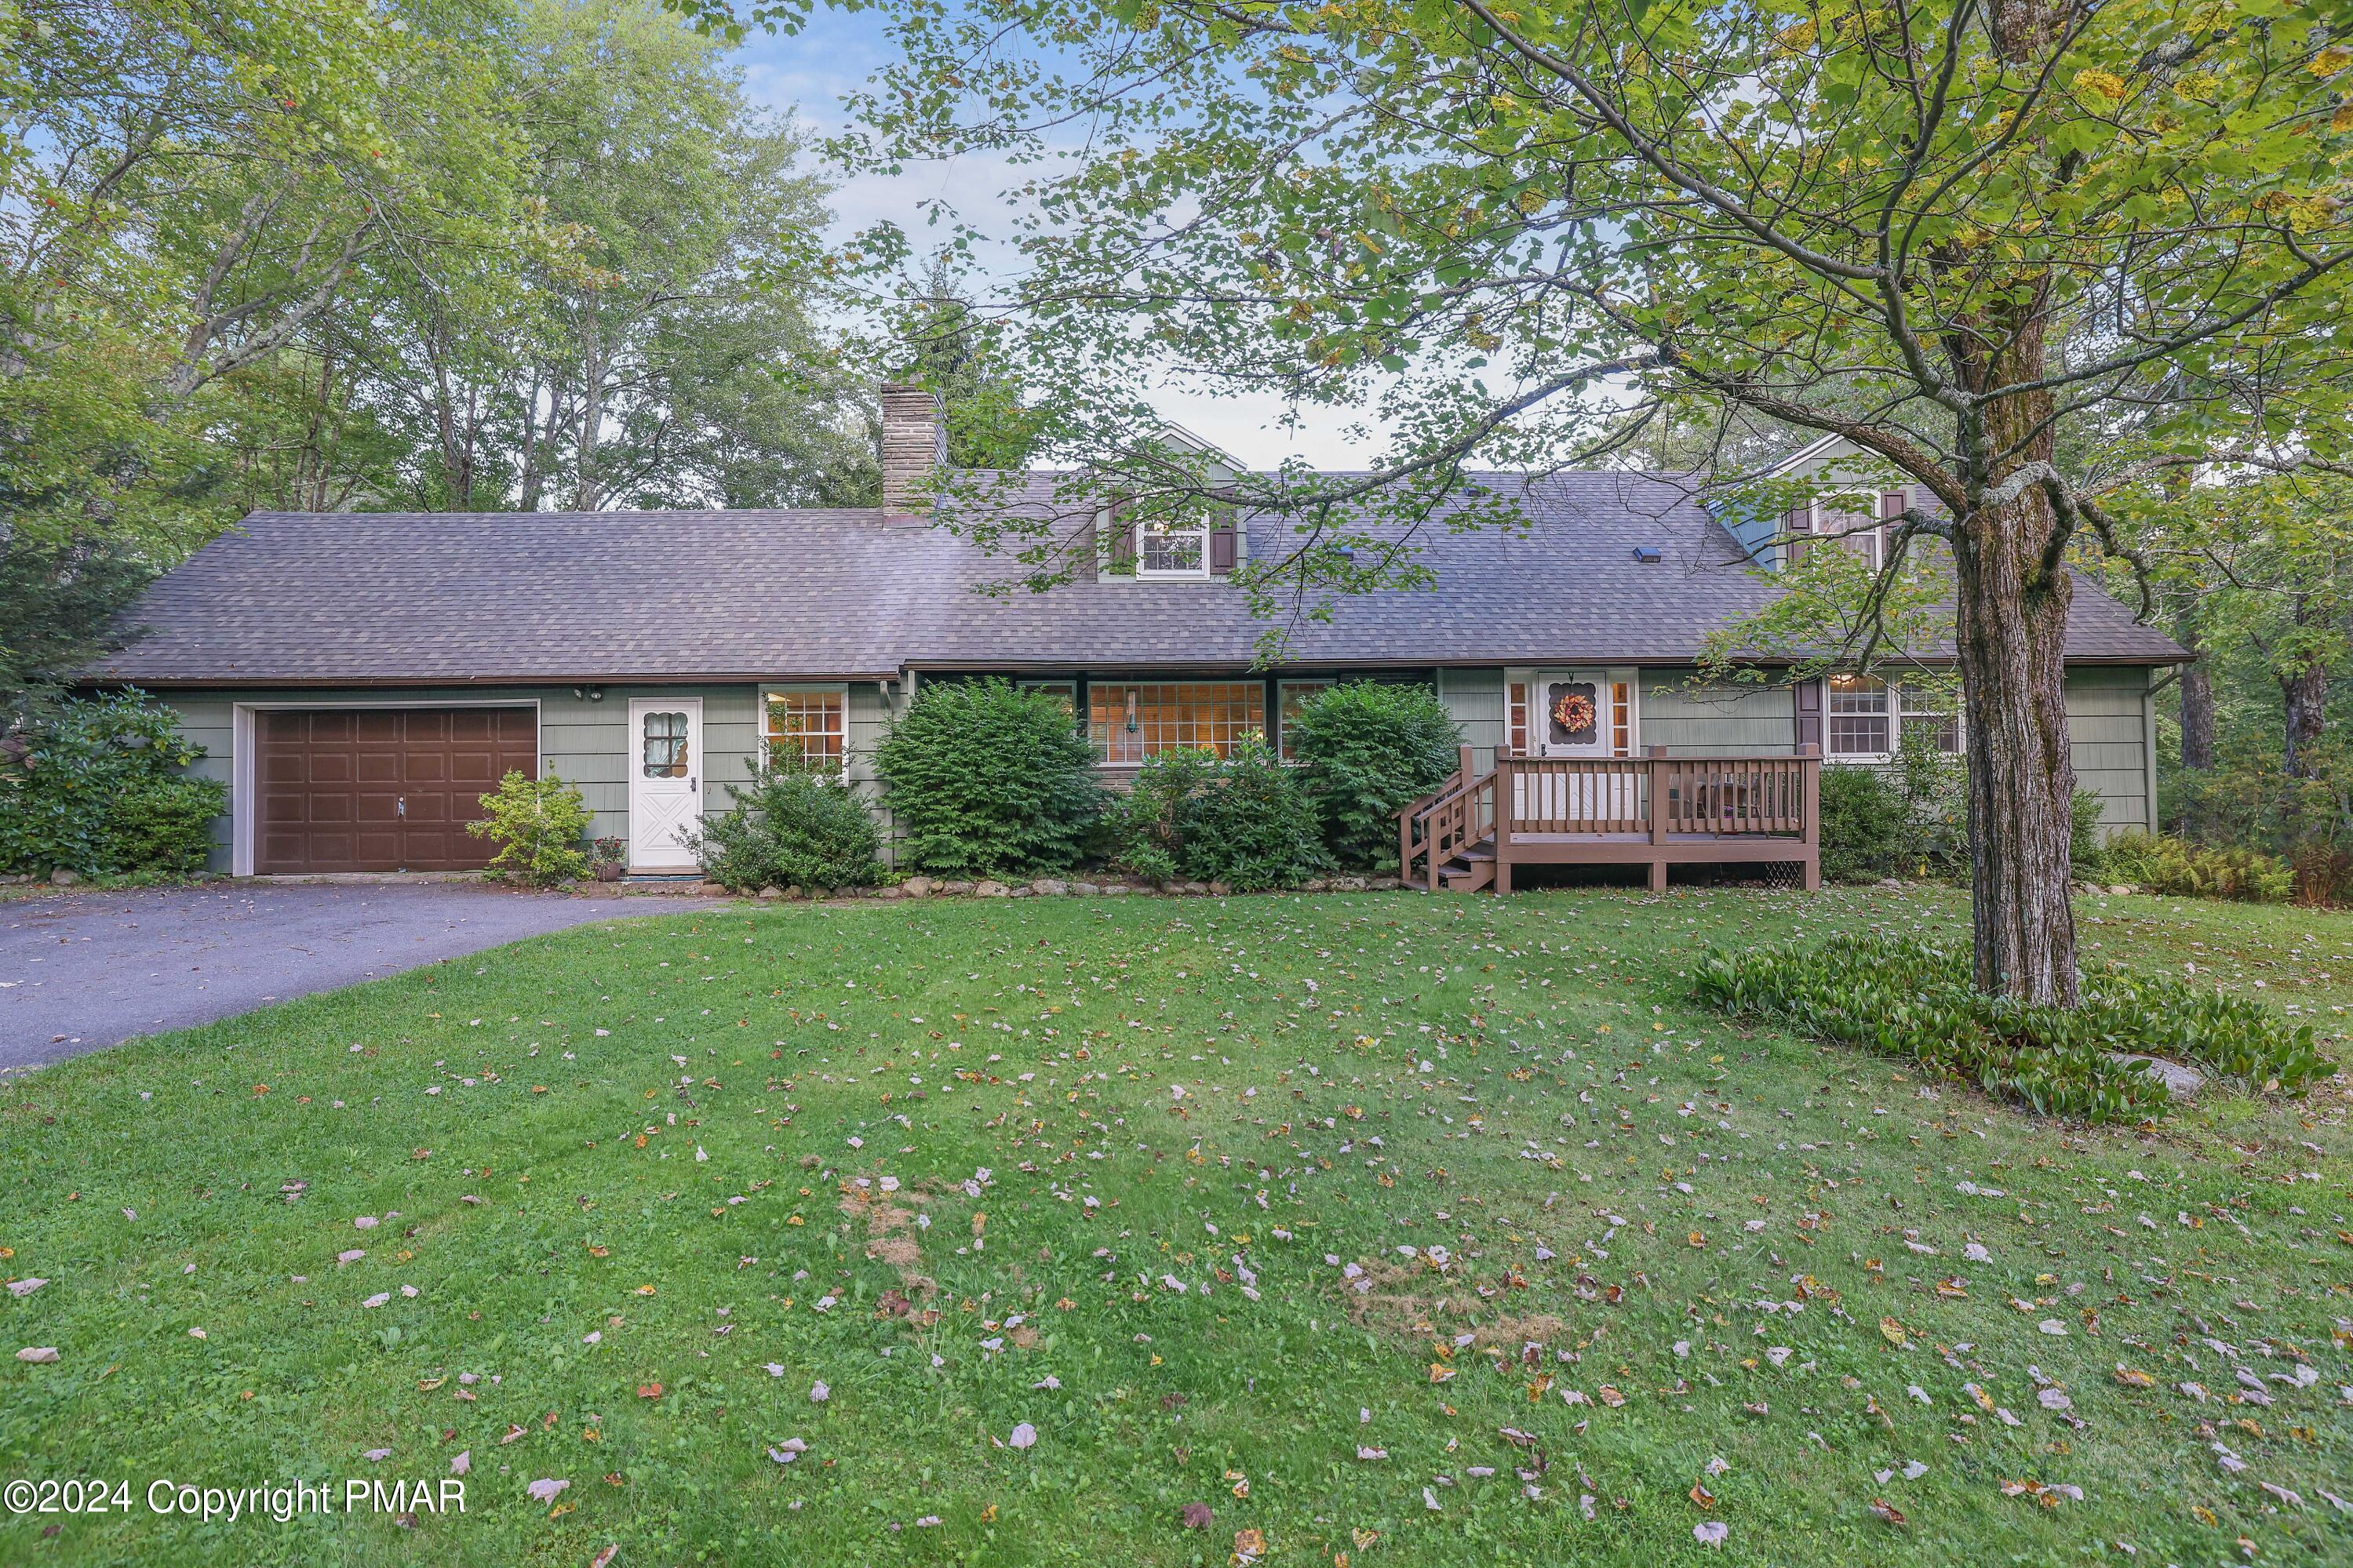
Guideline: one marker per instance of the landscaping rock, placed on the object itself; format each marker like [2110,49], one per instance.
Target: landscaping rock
[2183,1083]
[710,890]
[1086,889]
[13,877]
[1048,887]
[1220,890]
[890,893]
[955,888]
[1114,889]
[772,892]
[1890,884]
[2121,888]
[918,887]
[991,890]
[64,878]
[1383,884]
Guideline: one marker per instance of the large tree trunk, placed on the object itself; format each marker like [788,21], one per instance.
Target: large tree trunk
[2197,737]
[2012,625]
[2306,695]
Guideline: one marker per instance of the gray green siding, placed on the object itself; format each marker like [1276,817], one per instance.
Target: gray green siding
[1474,699]
[1700,720]
[2108,717]
[2112,741]
[585,741]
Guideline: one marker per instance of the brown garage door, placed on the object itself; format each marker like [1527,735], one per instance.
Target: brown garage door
[382,789]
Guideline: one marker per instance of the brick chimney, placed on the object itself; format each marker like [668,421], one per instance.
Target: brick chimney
[914,442]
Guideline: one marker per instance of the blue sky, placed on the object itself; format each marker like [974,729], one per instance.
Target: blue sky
[810,71]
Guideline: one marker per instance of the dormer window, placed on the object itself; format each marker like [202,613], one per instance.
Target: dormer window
[1166,550]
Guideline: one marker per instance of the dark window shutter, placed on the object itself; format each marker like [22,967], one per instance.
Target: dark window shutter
[1120,547]
[1798,520]
[1222,546]
[1890,507]
[1809,700]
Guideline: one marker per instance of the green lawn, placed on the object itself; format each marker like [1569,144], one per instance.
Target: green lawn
[638,1187]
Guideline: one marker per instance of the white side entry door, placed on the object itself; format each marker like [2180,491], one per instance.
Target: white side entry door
[665,781]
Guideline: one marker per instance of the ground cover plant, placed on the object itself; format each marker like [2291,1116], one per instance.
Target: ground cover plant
[1910,997]
[1391,1228]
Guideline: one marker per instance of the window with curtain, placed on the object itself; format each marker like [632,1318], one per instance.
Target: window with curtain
[665,746]
[809,726]
[1127,721]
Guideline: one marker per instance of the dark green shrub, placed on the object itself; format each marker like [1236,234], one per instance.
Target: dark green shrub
[1252,825]
[1905,817]
[1367,748]
[792,826]
[1147,822]
[98,790]
[1245,820]
[539,826]
[1863,832]
[985,777]
[2086,853]
[2164,864]
[1907,997]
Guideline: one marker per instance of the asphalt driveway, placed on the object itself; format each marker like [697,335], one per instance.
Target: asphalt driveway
[84,969]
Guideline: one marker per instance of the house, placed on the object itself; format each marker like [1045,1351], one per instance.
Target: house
[359,678]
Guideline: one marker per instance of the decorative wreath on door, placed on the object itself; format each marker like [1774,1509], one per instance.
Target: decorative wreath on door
[1573,711]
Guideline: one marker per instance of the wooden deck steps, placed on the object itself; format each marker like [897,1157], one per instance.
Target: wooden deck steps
[1471,871]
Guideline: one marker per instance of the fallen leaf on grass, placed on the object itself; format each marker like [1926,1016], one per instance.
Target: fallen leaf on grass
[1893,1515]
[1195,1515]
[1710,1532]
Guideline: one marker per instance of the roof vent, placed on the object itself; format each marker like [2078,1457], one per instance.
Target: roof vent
[1649,554]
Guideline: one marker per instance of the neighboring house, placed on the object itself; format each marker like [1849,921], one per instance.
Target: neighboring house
[359,678]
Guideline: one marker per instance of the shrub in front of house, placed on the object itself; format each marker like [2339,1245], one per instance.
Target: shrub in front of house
[1366,749]
[1245,820]
[1904,817]
[1908,998]
[98,790]
[539,826]
[2165,863]
[1864,831]
[986,777]
[1254,826]
[793,827]
[1145,824]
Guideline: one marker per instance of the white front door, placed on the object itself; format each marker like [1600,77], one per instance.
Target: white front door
[1574,716]
[665,781]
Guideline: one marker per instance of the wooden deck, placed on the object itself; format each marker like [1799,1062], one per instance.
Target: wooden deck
[1655,811]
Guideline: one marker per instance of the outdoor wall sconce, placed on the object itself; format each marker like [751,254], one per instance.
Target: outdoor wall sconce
[1131,711]
[589,693]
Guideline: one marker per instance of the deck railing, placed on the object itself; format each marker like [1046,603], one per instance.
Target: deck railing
[1675,804]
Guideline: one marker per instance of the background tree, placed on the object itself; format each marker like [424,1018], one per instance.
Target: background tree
[1956,231]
